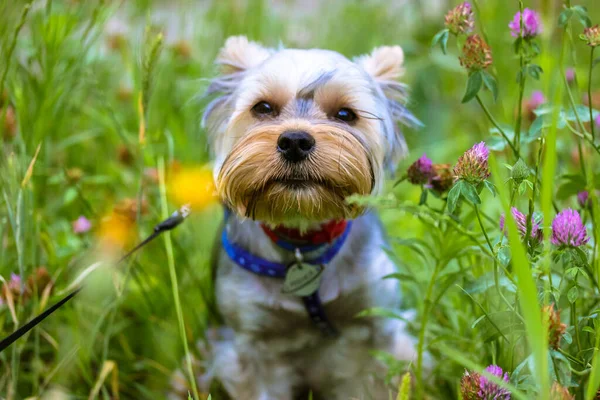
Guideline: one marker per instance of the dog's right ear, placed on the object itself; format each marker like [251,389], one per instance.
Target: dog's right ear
[239,54]
[235,58]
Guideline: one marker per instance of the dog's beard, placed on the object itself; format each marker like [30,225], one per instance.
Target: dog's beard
[260,184]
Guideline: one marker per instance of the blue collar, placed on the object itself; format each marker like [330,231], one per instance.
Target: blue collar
[260,266]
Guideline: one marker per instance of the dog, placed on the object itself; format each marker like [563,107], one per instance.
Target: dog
[293,134]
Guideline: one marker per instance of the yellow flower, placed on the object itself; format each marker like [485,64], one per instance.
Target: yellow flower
[193,186]
[116,231]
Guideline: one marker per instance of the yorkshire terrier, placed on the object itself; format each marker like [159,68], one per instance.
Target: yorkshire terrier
[294,133]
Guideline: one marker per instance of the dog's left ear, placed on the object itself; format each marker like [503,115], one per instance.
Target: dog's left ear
[385,65]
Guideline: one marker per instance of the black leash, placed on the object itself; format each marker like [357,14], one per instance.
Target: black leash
[170,223]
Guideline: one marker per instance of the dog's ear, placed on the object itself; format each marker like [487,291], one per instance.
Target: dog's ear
[385,65]
[239,54]
[234,59]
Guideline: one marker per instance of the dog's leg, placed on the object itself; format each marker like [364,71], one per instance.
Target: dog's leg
[247,373]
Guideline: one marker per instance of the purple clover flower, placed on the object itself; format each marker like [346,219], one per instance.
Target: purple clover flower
[81,225]
[472,166]
[532,26]
[597,121]
[421,171]
[582,198]
[570,74]
[521,221]
[568,229]
[537,99]
[489,390]
[460,19]
[591,36]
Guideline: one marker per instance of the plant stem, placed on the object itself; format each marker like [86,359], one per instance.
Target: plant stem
[173,276]
[426,311]
[487,239]
[590,95]
[522,78]
[493,121]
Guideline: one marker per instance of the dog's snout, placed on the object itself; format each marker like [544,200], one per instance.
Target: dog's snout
[295,145]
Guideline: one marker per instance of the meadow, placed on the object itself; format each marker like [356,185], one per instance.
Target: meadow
[100,109]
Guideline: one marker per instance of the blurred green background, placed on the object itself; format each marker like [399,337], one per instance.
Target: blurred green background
[72,87]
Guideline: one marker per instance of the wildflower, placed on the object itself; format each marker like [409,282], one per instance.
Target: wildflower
[421,171]
[116,231]
[597,121]
[520,171]
[460,19]
[476,55]
[193,186]
[532,25]
[559,392]
[13,285]
[568,230]
[10,123]
[129,208]
[536,99]
[489,390]
[472,166]
[124,155]
[81,225]
[521,221]
[442,178]
[469,386]
[582,198]
[74,175]
[591,36]
[556,329]
[570,75]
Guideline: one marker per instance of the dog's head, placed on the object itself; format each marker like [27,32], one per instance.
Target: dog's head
[294,132]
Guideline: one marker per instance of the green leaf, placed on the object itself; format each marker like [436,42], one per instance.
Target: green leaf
[535,71]
[535,130]
[474,83]
[504,255]
[454,195]
[588,329]
[564,17]
[490,82]
[490,186]
[582,13]
[470,193]
[441,38]
[573,294]
[582,111]
[423,198]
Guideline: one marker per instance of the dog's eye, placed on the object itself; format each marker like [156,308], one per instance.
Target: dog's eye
[263,108]
[346,115]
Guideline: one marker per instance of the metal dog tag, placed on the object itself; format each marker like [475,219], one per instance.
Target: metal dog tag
[302,279]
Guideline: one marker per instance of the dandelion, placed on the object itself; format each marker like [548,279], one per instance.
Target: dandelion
[521,221]
[442,178]
[81,225]
[460,19]
[421,171]
[570,75]
[476,54]
[582,198]
[491,391]
[472,166]
[568,229]
[193,186]
[591,36]
[116,231]
[532,25]
[556,329]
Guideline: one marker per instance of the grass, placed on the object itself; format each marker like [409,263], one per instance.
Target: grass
[100,103]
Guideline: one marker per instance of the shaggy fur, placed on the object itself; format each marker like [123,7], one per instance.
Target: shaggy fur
[269,349]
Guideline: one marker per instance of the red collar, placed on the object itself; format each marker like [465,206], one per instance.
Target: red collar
[326,234]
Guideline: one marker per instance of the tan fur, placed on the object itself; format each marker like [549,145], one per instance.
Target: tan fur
[250,179]
[384,63]
[240,54]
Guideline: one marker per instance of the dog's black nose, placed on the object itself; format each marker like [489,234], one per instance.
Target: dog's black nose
[295,145]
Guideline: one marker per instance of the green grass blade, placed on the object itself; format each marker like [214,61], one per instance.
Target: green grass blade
[537,333]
